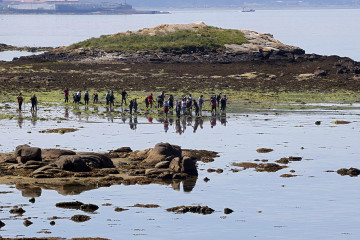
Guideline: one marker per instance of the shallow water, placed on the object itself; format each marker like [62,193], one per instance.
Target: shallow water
[316,204]
[321,31]
[10,55]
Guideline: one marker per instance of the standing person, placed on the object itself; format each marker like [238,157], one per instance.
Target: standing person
[123,96]
[196,106]
[33,100]
[184,105]
[213,105]
[112,98]
[66,94]
[95,98]
[166,108]
[20,100]
[131,105]
[171,101]
[161,98]
[78,97]
[178,109]
[146,102]
[107,98]
[150,100]
[201,102]
[86,98]
[218,97]
[135,105]
[223,103]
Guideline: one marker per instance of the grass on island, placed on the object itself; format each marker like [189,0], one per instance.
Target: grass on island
[204,39]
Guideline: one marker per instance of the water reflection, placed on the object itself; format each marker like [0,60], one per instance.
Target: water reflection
[33,118]
[20,119]
[35,189]
[84,113]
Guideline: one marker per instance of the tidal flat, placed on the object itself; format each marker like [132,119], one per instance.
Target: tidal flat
[315,202]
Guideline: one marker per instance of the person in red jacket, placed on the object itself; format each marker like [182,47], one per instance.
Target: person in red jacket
[150,99]
[66,94]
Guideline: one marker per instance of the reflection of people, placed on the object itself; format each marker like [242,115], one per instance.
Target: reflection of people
[150,119]
[33,118]
[20,120]
[223,119]
[66,115]
[178,126]
[166,125]
[196,124]
[213,122]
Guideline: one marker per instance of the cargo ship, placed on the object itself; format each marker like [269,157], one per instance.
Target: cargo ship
[68,7]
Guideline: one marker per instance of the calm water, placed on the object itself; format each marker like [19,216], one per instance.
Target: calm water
[314,205]
[328,32]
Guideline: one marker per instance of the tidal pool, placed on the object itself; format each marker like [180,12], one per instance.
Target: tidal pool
[316,204]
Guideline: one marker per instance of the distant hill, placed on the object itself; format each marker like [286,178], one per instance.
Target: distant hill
[238,3]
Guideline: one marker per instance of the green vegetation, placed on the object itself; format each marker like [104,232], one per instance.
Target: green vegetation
[202,39]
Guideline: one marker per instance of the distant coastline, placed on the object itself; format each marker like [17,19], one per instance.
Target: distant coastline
[73,7]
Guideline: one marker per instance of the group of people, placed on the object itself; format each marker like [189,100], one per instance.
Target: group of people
[182,106]
[33,100]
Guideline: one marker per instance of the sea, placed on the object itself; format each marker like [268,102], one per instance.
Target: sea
[313,203]
[320,31]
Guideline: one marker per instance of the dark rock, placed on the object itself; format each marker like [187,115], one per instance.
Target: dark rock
[317,122]
[228,210]
[162,152]
[69,205]
[162,164]
[180,176]
[146,205]
[321,73]
[73,164]
[25,153]
[268,167]
[353,172]
[219,170]
[80,218]
[165,175]
[89,207]
[54,154]
[188,166]
[83,162]
[52,223]
[283,161]
[123,149]
[119,209]
[2,224]
[27,223]
[286,175]
[264,150]
[17,210]
[193,209]
[32,200]
[206,179]
[175,165]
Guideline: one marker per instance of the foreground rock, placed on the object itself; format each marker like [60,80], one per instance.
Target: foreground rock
[352,172]
[193,209]
[32,168]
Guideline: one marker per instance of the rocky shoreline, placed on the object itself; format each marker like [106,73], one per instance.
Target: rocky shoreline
[6,47]
[32,167]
